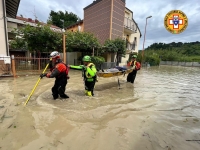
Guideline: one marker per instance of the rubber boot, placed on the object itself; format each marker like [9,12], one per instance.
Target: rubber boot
[55,96]
[64,96]
[89,93]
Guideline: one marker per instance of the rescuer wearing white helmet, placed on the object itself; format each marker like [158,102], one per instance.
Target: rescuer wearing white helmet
[59,70]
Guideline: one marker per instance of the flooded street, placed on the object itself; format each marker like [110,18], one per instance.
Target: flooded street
[160,111]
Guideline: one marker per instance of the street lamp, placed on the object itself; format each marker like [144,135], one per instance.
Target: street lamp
[144,38]
[63,22]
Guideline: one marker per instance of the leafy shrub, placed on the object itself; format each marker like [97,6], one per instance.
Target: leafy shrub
[97,59]
[153,60]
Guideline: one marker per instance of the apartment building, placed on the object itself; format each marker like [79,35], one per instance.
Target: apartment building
[110,19]
[105,18]
[8,8]
[132,35]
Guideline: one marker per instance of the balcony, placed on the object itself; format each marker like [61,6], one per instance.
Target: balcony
[129,26]
[130,46]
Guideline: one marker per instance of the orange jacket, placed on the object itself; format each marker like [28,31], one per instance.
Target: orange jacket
[59,70]
[134,63]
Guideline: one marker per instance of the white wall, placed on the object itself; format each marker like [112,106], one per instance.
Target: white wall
[11,26]
[128,14]
[2,33]
[70,57]
[131,38]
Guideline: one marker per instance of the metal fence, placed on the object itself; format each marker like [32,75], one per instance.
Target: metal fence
[25,63]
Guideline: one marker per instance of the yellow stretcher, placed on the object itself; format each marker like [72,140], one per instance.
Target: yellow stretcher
[107,74]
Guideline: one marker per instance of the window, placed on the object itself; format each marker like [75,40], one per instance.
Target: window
[135,40]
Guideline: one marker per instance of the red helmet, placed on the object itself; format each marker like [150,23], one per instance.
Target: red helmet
[55,55]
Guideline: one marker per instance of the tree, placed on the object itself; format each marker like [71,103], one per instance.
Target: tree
[109,46]
[117,45]
[39,38]
[81,42]
[121,48]
[56,18]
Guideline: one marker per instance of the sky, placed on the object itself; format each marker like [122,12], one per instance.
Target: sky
[141,9]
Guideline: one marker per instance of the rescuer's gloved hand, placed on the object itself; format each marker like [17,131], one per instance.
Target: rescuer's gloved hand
[90,64]
[43,75]
[48,75]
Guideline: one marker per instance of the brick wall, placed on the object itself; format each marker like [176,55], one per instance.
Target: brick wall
[118,19]
[97,19]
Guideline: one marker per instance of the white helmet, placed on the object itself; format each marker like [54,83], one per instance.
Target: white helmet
[55,54]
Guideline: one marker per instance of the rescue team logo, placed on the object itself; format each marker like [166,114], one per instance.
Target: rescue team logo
[175,21]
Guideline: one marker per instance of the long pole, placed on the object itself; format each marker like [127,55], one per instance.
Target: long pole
[36,85]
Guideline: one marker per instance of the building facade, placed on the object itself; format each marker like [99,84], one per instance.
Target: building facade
[105,18]
[110,19]
[79,26]
[8,8]
[132,35]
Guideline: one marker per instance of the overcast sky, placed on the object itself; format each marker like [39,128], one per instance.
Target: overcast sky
[156,31]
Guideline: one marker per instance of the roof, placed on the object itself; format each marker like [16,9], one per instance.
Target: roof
[29,20]
[137,27]
[34,23]
[129,10]
[77,23]
[12,8]
[92,4]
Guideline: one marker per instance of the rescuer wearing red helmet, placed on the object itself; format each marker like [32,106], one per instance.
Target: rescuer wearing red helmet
[59,70]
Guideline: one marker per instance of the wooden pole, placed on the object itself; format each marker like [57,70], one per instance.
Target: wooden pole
[93,52]
[36,85]
[38,60]
[64,51]
[13,66]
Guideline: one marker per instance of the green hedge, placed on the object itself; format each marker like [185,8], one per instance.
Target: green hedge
[153,60]
[97,59]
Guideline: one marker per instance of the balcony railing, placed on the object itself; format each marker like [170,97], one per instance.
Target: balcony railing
[129,24]
[131,46]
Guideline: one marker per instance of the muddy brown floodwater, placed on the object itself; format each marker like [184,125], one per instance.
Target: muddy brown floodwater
[160,111]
